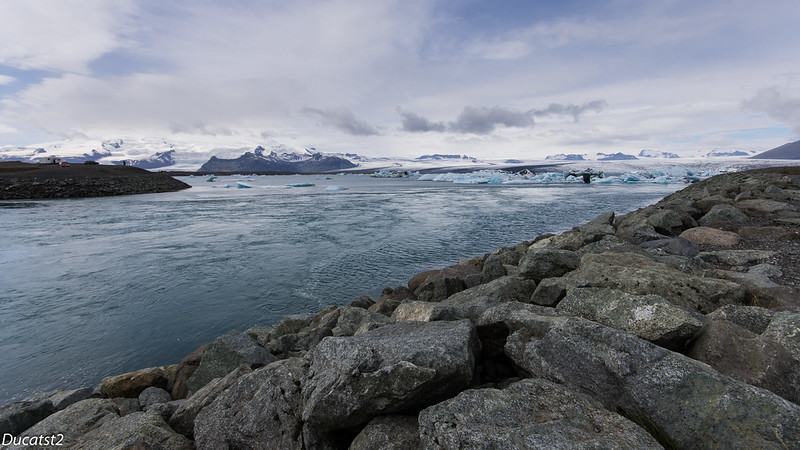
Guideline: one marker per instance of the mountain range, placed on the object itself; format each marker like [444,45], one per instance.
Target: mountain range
[785,151]
[286,162]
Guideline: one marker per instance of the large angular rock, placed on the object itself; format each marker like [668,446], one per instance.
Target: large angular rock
[388,433]
[785,330]
[96,424]
[182,420]
[723,215]
[503,289]
[648,316]
[531,413]
[416,311]
[598,227]
[750,358]
[737,257]
[446,282]
[184,371]
[353,320]
[637,274]
[132,384]
[762,207]
[672,246]
[391,369]
[541,263]
[19,416]
[666,222]
[225,354]
[755,319]
[152,396]
[260,410]
[711,236]
[682,402]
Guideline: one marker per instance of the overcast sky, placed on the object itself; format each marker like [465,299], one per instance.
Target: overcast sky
[381,77]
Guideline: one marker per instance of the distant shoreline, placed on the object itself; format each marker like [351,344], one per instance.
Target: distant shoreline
[20,180]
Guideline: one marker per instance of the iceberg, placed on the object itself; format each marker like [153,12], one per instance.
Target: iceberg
[336,188]
[241,185]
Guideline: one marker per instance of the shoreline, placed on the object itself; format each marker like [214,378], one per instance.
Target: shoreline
[670,286]
[20,181]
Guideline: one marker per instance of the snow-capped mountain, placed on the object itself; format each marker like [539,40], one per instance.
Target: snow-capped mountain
[619,156]
[564,157]
[647,153]
[309,161]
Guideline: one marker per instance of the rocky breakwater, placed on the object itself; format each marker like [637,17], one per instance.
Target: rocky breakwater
[674,326]
[25,181]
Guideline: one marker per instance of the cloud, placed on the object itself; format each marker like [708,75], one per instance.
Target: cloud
[415,123]
[483,120]
[779,102]
[343,119]
[61,36]
[198,127]
[5,79]
[571,110]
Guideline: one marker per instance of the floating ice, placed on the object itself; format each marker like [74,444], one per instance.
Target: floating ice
[336,188]
[241,185]
[663,175]
[301,185]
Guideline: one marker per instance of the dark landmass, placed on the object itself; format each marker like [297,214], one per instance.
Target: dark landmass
[672,326]
[20,180]
[785,151]
[258,162]
[619,156]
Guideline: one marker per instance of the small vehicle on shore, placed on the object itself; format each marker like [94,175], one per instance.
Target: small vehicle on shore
[63,164]
[91,163]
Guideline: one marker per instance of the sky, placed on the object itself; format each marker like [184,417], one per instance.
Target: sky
[491,79]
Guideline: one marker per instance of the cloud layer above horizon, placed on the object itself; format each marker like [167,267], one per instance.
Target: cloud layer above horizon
[489,79]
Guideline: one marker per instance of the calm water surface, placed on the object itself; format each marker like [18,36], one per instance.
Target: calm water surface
[101,286]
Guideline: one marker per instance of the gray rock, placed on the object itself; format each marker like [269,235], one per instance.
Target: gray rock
[640,275]
[666,222]
[682,402]
[649,317]
[737,257]
[569,240]
[762,207]
[757,276]
[153,395]
[225,354]
[785,330]
[446,282]
[126,405]
[262,335]
[750,358]
[19,416]
[610,243]
[598,228]
[723,214]
[182,420]
[185,369]
[541,263]
[503,289]
[260,409]
[364,301]
[672,246]
[711,236]
[531,413]
[394,368]
[63,399]
[388,433]
[75,420]
[353,319]
[752,318]
[550,291]
[417,311]
[136,430]
[385,306]
[291,324]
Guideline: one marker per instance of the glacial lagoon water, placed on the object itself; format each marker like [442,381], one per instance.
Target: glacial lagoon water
[102,286]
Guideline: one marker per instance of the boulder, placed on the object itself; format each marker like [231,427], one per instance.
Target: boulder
[550,291]
[748,357]
[417,311]
[648,316]
[19,416]
[182,420]
[711,236]
[737,257]
[757,276]
[388,433]
[541,263]
[769,233]
[598,228]
[682,402]
[152,396]
[640,275]
[723,216]
[95,423]
[785,330]
[503,289]
[297,344]
[666,222]
[291,324]
[761,207]
[609,243]
[448,281]
[395,368]
[385,306]
[185,369]
[531,413]
[225,354]
[364,301]
[353,320]
[754,319]
[260,409]
[132,384]
[672,246]
[262,335]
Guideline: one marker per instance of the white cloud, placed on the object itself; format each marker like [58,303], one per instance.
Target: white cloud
[65,35]
[5,79]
